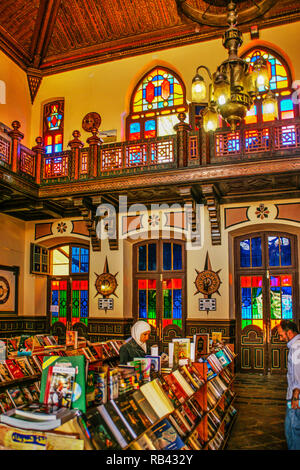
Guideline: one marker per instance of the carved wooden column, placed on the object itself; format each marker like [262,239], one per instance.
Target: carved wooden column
[211,199]
[182,129]
[94,142]
[39,151]
[16,137]
[75,145]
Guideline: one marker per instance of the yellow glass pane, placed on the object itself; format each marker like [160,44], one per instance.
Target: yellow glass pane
[282,84]
[258,323]
[274,323]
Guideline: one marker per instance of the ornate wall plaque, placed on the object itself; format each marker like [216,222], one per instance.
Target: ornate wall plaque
[106,283]
[91,120]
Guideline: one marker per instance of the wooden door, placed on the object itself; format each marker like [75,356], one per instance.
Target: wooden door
[266,292]
[159,289]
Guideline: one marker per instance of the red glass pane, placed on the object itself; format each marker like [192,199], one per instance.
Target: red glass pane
[142,284]
[54,285]
[150,92]
[167,322]
[58,139]
[167,284]
[63,320]
[150,134]
[286,280]
[151,284]
[76,285]
[177,283]
[165,89]
[246,281]
[256,281]
[135,136]
[84,285]
[63,285]
[275,281]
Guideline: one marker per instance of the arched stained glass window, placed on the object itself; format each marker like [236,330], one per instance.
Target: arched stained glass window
[155,103]
[53,120]
[280,85]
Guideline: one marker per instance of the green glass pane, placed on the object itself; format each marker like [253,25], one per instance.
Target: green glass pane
[75,303]
[54,320]
[178,323]
[167,303]
[152,303]
[246,323]
[63,304]
[256,303]
[275,303]
[84,320]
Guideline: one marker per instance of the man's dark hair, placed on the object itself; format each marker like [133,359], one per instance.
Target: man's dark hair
[287,325]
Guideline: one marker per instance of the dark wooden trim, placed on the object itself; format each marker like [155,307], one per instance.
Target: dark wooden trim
[16,271]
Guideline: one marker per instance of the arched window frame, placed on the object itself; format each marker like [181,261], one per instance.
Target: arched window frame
[53,132]
[141,117]
[281,94]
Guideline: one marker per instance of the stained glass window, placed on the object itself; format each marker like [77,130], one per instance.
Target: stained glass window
[53,126]
[280,84]
[79,301]
[172,256]
[147,301]
[252,301]
[172,302]
[147,257]
[155,104]
[281,298]
[250,253]
[59,301]
[279,251]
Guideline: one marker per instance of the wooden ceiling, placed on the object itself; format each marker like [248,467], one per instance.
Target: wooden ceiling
[50,36]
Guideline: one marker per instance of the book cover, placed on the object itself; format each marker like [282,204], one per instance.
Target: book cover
[115,423]
[14,369]
[145,406]
[177,424]
[145,367]
[127,416]
[16,396]
[189,390]
[24,366]
[136,419]
[26,392]
[188,374]
[169,392]
[17,439]
[142,443]
[6,401]
[216,337]
[154,393]
[60,384]
[71,339]
[165,436]
[223,358]
[78,362]
[100,383]
[201,341]
[181,353]
[176,388]
[97,431]
[113,384]
[90,388]
[14,418]
[5,374]
[155,365]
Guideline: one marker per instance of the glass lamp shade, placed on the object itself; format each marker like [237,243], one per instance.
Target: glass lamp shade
[221,93]
[270,107]
[210,120]
[261,74]
[198,89]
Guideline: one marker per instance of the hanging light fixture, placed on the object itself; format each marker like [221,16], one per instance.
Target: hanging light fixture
[236,82]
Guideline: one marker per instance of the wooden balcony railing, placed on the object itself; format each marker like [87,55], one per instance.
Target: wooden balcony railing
[256,141]
[186,148]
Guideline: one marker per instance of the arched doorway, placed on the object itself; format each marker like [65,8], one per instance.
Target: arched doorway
[266,282]
[159,288]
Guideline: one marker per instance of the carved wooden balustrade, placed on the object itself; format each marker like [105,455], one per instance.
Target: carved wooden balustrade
[186,148]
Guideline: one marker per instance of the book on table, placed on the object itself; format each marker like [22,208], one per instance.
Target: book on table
[77,362]
[134,419]
[165,437]
[154,393]
[201,341]
[115,424]
[96,432]
[14,418]
[16,396]
[145,406]
[59,385]
[5,375]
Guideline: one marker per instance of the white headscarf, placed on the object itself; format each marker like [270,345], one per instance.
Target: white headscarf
[138,328]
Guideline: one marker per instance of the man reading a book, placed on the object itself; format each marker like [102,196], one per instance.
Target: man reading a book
[136,345]
[288,332]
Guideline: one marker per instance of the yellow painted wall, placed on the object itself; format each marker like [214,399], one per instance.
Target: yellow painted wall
[106,88]
[18,103]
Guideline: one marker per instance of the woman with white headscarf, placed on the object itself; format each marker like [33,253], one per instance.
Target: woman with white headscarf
[136,345]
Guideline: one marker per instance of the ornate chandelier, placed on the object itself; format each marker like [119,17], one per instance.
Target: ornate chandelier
[236,83]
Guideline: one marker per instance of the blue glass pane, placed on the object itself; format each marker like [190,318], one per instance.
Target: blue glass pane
[150,125]
[256,252]
[287,105]
[135,127]
[285,248]
[177,256]
[245,254]
[142,304]
[84,303]
[177,303]
[48,148]
[84,265]
[152,257]
[142,258]
[57,147]
[286,302]
[75,259]
[246,302]
[167,257]
[273,243]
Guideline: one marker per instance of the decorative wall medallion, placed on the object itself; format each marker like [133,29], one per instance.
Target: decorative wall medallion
[207,281]
[90,121]
[106,282]
[4,290]
[61,227]
[262,212]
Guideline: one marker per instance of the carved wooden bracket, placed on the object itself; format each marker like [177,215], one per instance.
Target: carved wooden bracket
[189,201]
[87,211]
[211,200]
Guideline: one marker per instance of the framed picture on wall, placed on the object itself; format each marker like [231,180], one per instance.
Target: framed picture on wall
[9,276]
